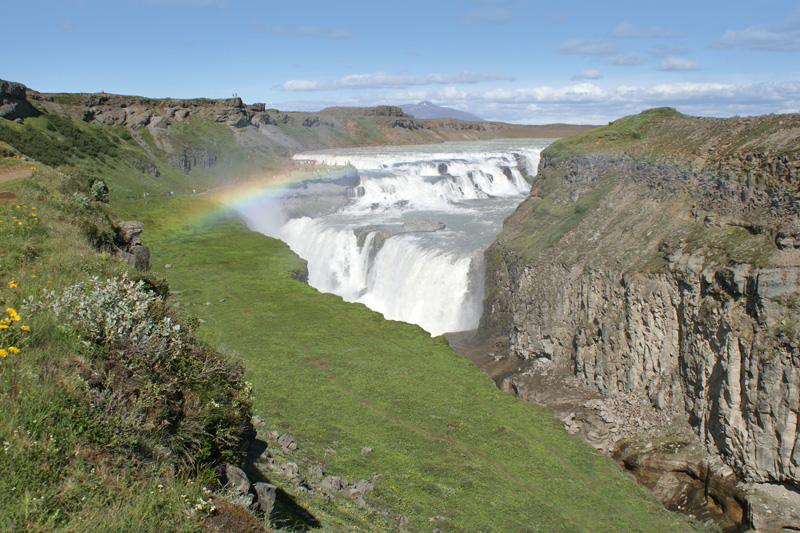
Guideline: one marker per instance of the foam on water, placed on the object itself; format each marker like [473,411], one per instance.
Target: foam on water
[434,279]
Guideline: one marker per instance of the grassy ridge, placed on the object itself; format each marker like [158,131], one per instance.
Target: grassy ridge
[339,376]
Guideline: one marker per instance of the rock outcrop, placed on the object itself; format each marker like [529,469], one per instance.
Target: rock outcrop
[129,245]
[670,283]
[13,101]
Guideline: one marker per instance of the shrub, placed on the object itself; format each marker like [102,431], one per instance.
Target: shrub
[99,191]
[153,388]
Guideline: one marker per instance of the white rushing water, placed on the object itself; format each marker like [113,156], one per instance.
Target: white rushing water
[402,229]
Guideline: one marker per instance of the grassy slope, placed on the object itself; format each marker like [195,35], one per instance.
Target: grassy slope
[609,219]
[57,475]
[338,375]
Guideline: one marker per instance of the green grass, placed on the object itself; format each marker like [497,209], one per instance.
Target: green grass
[617,135]
[65,465]
[338,375]
[56,141]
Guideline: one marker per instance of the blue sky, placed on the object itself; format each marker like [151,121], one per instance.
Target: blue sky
[523,61]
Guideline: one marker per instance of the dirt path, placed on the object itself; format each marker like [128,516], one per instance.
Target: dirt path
[12,172]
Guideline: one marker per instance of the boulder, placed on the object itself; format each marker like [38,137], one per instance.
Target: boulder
[129,245]
[130,233]
[237,479]
[265,494]
[290,470]
[362,488]
[287,442]
[333,483]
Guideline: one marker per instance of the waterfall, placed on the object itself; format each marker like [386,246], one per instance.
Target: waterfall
[406,239]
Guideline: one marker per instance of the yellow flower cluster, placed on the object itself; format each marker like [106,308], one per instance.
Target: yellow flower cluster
[27,217]
[11,337]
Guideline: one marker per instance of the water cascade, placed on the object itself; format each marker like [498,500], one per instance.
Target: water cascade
[402,229]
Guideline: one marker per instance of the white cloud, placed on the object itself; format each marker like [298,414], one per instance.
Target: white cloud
[677,64]
[587,47]
[380,80]
[599,49]
[587,103]
[781,37]
[628,30]
[590,104]
[588,74]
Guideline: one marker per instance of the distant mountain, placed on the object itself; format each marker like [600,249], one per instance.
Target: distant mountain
[426,109]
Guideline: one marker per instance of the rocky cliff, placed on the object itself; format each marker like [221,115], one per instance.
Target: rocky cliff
[13,101]
[655,268]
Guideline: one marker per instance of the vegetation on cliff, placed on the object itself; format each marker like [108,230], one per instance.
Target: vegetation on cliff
[612,195]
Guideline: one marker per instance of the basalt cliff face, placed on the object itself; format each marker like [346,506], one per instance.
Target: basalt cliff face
[649,290]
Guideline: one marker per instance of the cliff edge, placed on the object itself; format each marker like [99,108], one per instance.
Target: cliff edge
[649,290]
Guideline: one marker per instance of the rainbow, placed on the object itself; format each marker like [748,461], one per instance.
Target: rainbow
[255,190]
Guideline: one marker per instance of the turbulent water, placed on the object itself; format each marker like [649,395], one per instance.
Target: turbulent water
[402,229]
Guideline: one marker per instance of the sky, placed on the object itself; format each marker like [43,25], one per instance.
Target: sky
[518,61]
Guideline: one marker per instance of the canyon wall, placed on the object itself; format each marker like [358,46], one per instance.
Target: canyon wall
[659,278]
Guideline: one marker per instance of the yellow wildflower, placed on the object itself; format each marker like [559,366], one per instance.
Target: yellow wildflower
[24,328]
[13,349]
[11,311]
[3,353]
[3,326]
[33,275]
[12,284]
